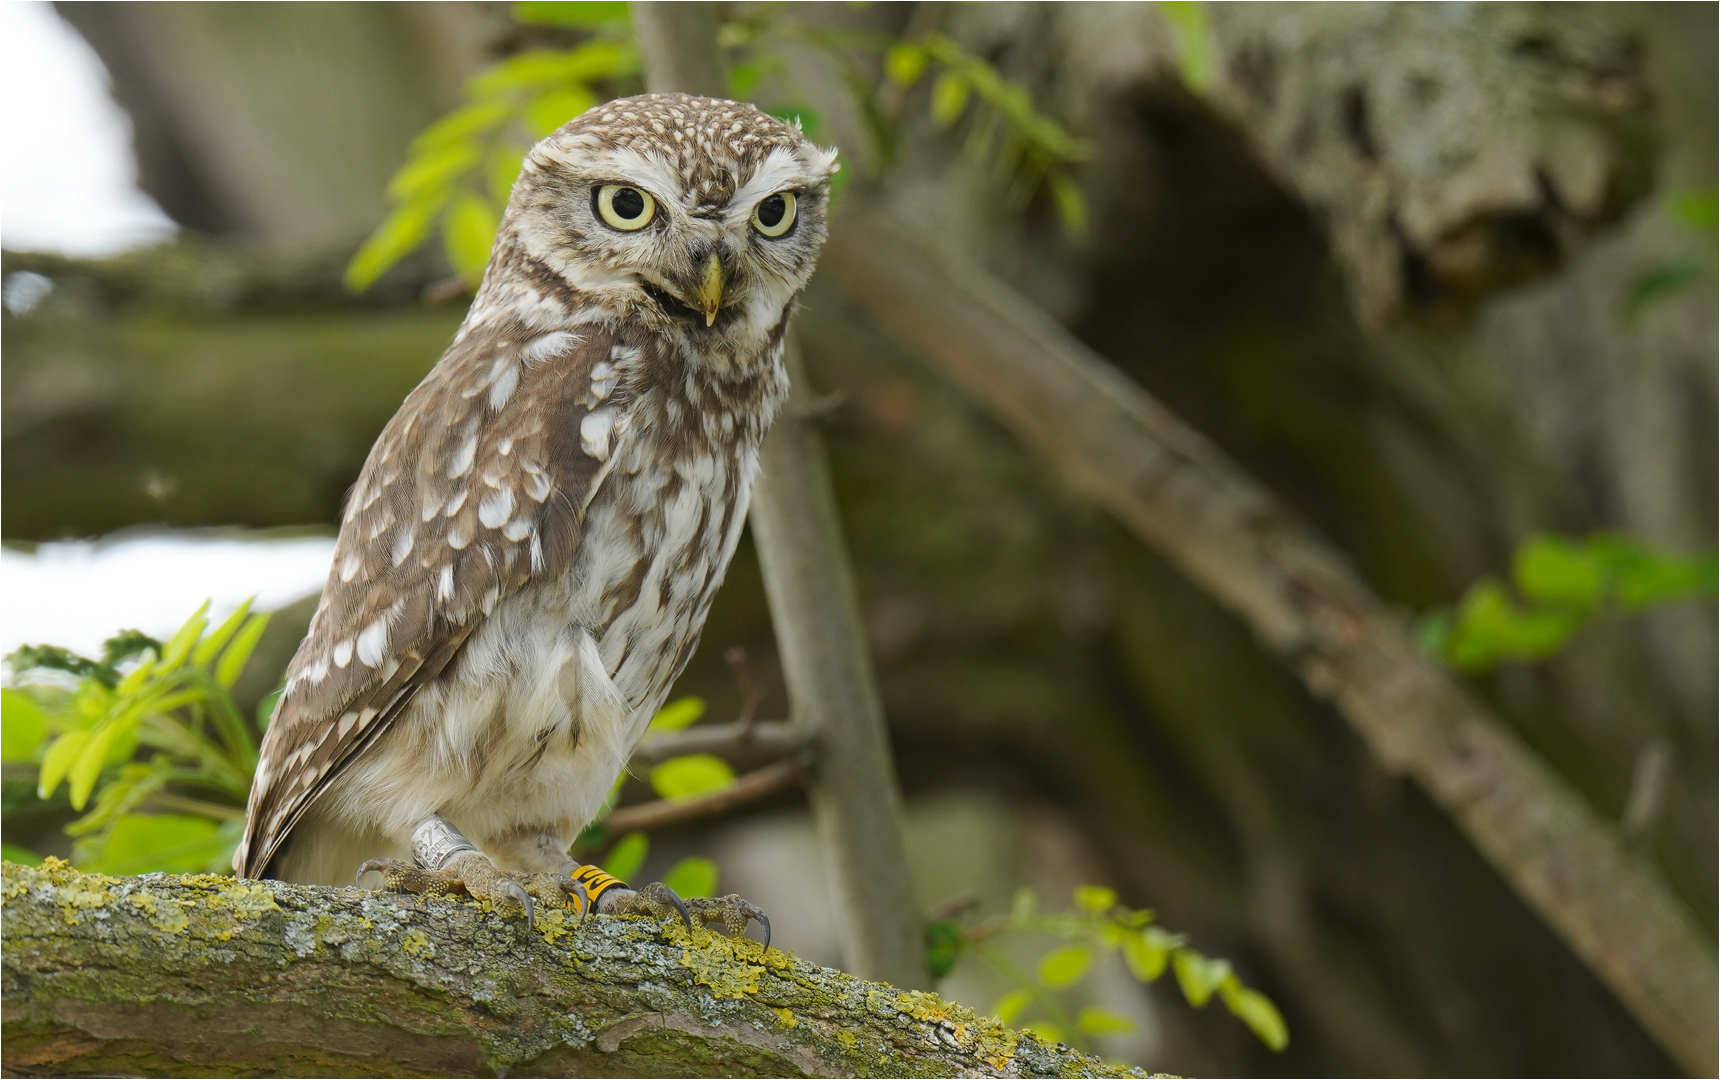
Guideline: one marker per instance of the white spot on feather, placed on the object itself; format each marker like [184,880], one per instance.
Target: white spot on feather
[550,345]
[343,653]
[538,486]
[373,639]
[455,501]
[495,508]
[595,431]
[503,387]
[462,459]
[518,529]
[445,583]
[402,546]
[350,566]
[458,537]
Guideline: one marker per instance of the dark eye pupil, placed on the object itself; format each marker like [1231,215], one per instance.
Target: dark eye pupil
[771,210]
[628,204]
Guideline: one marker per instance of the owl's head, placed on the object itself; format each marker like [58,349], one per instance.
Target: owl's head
[705,216]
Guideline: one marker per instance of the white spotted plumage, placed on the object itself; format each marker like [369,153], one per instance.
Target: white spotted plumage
[531,550]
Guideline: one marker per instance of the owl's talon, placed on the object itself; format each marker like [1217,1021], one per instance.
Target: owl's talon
[366,867]
[733,911]
[518,892]
[655,900]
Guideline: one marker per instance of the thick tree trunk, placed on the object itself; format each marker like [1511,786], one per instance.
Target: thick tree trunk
[204,975]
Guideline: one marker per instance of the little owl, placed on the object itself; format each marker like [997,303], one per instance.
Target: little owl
[528,556]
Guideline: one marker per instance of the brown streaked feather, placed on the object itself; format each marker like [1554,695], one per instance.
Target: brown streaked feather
[475,488]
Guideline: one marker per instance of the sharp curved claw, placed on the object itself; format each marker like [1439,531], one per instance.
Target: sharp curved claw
[366,867]
[515,890]
[763,920]
[680,905]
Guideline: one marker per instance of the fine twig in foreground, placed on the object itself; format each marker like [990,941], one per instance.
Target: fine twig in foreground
[1181,495]
[772,738]
[208,976]
[662,813]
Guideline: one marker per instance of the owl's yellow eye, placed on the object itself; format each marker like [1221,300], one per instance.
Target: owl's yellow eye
[774,215]
[625,208]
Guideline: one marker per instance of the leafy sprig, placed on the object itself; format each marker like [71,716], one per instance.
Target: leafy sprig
[460,170]
[1564,585]
[1096,926]
[173,699]
[1026,147]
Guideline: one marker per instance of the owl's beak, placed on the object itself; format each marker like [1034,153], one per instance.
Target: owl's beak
[711,289]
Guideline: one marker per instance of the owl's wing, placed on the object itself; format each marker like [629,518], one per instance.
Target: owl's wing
[477,486]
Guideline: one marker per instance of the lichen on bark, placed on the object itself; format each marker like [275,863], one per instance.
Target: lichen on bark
[203,975]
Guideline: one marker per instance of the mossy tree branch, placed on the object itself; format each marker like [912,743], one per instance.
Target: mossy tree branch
[203,975]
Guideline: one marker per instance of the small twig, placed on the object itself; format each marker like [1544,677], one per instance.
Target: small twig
[751,696]
[771,738]
[663,813]
[1647,788]
[167,800]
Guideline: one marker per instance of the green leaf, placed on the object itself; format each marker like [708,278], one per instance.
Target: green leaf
[1553,570]
[81,777]
[904,63]
[502,170]
[1095,898]
[468,233]
[212,643]
[431,176]
[1147,953]
[23,856]
[170,843]
[65,750]
[1096,1021]
[678,714]
[1697,209]
[1194,50]
[1489,627]
[1010,1005]
[23,726]
[627,856]
[1257,1011]
[693,877]
[1065,967]
[572,14]
[134,680]
[1071,204]
[1660,284]
[179,646]
[1049,1030]
[1198,976]
[944,945]
[1022,907]
[244,644]
[397,236]
[556,108]
[949,98]
[691,775]
[459,126]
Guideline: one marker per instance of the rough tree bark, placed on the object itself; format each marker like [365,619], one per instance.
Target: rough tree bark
[204,975]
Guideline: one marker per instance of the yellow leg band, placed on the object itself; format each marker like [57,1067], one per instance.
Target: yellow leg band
[595,883]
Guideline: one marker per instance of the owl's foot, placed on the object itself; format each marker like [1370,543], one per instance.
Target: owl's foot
[658,901]
[469,873]
[733,911]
